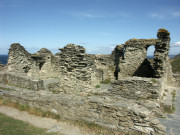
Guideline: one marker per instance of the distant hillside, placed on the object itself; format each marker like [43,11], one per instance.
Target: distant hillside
[177,56]
[176,64]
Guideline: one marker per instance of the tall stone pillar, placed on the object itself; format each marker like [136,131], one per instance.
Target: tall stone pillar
[161,58]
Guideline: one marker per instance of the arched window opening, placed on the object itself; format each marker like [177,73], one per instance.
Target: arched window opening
[150,52]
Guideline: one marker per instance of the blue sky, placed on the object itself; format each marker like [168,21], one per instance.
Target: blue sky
[98,25]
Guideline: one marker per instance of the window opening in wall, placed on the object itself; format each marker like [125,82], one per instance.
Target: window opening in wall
[40,65]
[150,52]
[146,67]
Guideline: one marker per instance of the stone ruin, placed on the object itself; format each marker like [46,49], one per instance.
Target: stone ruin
[71,71]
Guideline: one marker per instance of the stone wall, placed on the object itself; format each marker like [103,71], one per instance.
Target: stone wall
[127,60]
[1,66]
[105,64]
[21,81]
[68,79]
[131,58]
[124,116]
[19,60]
[162,65]
[71,61]
[45,65]
[137,88]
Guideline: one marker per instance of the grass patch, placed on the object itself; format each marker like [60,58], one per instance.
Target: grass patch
[106,81]
[168,109]
[31,110]
[173,95]
[98,86]
[10,126]
[173,100]
[112,68]
[176,64]
[8,89]
[172,108]
[89,127]
[154,80]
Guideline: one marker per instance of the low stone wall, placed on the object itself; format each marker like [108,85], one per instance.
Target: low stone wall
[137,88]
[108,111]
[20,81]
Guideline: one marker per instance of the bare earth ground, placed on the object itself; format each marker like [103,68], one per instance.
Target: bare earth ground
[51,125]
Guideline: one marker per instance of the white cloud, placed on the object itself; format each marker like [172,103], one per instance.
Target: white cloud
[102,50]
[166,15]
[176,14]
[176,44]
[158,16]
[86,15]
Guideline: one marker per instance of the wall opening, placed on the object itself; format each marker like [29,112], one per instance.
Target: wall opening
[146,67]
[150,52]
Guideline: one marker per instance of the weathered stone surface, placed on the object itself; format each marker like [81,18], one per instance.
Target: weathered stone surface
[68,81]
[116,113]
[137,88]
[130,58]
[19,59]
[1,66]
[21,81]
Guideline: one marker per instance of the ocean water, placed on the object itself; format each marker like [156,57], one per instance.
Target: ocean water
[3,59]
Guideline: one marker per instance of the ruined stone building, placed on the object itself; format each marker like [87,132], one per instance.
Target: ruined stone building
[127,60]
[132,75]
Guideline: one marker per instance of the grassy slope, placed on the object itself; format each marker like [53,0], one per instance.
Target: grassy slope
[176,64]
[10,126]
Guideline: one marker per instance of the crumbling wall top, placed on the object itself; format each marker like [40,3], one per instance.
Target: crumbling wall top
[16,48]
[163,33]
[73,48]
[140,42]
[44,51]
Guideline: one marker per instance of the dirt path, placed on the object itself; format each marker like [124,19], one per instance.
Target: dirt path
[51,125]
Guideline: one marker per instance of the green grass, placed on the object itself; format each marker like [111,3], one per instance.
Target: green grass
[154,80]
[106,81]
[168,109]
[31,110]
[176,65]
[86,126]
[7,89]
[171,109]
[10,126]
[98,86]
